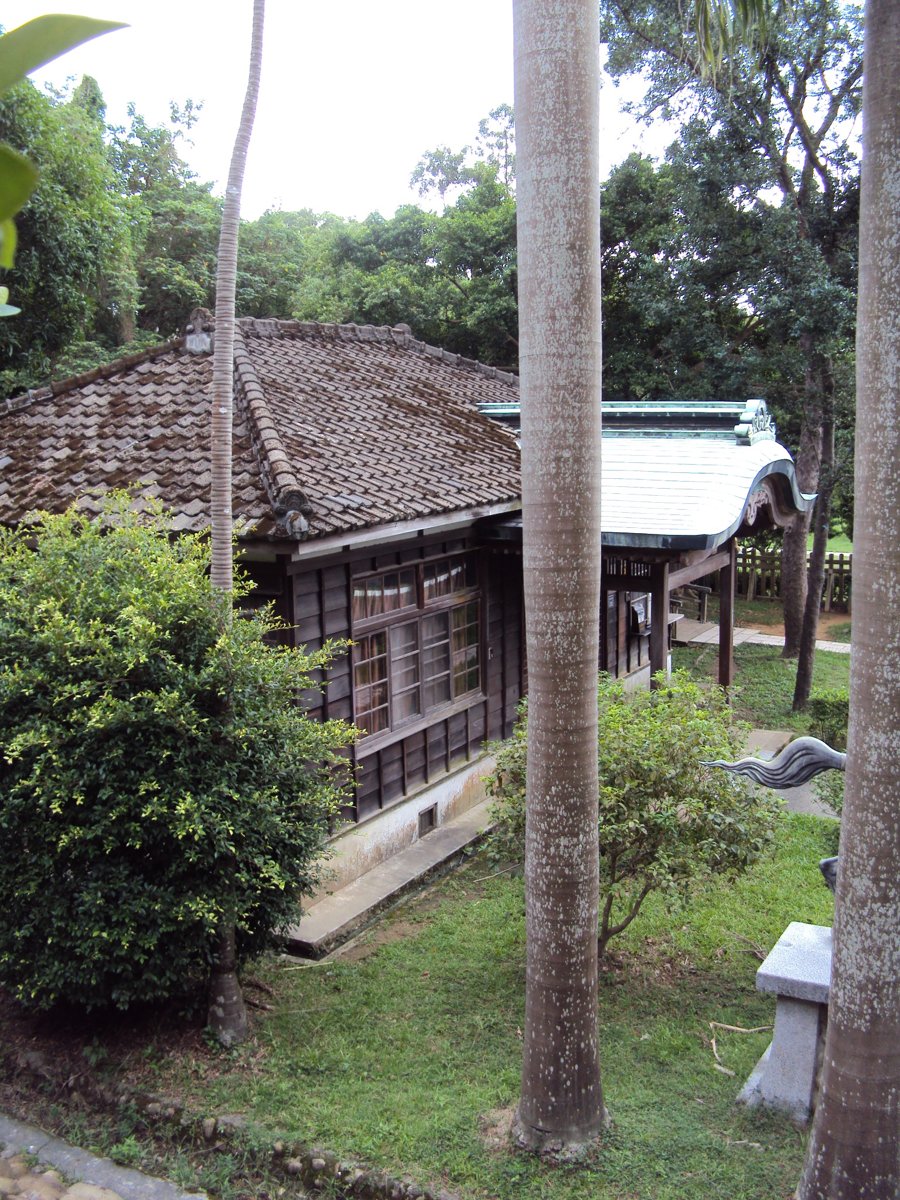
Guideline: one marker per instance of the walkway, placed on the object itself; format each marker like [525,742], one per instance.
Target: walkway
[63,1172]
[703,633]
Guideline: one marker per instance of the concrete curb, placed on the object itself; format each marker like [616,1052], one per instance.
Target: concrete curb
[20,1138]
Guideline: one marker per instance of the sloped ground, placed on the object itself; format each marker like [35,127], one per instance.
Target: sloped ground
[404,1052]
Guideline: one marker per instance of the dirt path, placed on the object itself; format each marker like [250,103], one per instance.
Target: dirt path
[827,621]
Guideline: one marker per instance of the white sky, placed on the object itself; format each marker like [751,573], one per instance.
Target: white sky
[353,92]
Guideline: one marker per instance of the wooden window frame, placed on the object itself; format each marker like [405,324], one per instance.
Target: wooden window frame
[426,610]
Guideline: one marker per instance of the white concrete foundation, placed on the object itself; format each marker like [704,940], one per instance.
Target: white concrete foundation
[358,848]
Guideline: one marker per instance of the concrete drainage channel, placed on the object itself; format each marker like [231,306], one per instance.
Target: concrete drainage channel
[22,1146]
[35,1164]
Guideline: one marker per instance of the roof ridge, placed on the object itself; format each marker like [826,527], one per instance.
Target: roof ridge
[289,502]
[400,335]
[105,371]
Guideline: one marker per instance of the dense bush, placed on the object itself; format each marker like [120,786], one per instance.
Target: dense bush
[829,714]
[156,772]
[664,819]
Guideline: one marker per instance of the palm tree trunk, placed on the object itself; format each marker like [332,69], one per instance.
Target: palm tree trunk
[854,1151]
[227,1013]
[223,347]
[557,85]
[821,523]
[794,575]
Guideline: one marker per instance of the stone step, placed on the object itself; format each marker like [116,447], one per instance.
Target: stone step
[339,915]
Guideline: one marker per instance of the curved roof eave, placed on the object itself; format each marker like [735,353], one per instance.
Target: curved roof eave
[781,468]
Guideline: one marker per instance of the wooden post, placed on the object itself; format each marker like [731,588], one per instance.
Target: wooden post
[621,632]
[659,618]
[726,620]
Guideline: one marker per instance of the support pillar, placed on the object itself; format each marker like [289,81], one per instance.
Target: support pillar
[659,622]
[727,578]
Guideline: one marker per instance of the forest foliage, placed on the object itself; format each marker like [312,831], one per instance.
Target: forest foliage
[707,289]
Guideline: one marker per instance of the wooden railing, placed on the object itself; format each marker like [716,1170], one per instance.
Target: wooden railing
[759,578]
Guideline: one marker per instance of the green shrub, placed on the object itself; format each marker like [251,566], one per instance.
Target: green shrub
[664,819]
[155,769]
[829,714]
[829,788]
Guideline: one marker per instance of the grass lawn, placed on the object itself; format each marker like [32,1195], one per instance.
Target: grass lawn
[839,544]
[750,612]
[838,633]
[764,681]
[405,1052]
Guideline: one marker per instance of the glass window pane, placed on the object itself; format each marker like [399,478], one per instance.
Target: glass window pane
[374,597]
[405,706]
[405,697]
[373,720]
[359,601]
[405,639]
[437,691]
[404,675]
[450,575]
[370,682]
[391,587]
[436,659]
[435,629]
[407,588]
[466,649]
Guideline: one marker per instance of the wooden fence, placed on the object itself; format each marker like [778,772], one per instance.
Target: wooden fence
[759,578]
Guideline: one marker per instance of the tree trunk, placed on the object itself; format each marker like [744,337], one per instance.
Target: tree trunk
[853,1151]
[822,522]
[809,456]
[223,345]
[227,1014]
[557,86]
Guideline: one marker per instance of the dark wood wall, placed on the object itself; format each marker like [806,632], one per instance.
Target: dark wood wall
[315,598]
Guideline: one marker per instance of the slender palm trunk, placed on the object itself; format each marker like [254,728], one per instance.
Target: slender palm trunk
[794,576]
[227,1013]
[223,347]
[854,1149]
[557,86]
[816,576]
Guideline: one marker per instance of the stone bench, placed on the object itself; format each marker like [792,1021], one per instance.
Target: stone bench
[798,971]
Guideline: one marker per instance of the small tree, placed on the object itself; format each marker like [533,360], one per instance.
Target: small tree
[664,819]
[156,770]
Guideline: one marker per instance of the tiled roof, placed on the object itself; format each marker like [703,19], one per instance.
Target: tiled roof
[337,428]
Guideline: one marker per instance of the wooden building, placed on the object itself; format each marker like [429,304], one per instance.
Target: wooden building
[682,481]
[379,502]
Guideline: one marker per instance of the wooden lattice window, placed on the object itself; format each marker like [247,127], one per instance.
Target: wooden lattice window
[403,668]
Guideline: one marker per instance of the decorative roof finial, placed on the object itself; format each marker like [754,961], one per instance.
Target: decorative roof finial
[198,333]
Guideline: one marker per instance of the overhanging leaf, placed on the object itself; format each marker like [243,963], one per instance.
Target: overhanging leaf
[17,180]
[35,43]
[8,239]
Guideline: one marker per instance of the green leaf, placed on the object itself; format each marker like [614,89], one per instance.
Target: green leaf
[8,240]
[17,181]
[35,43]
